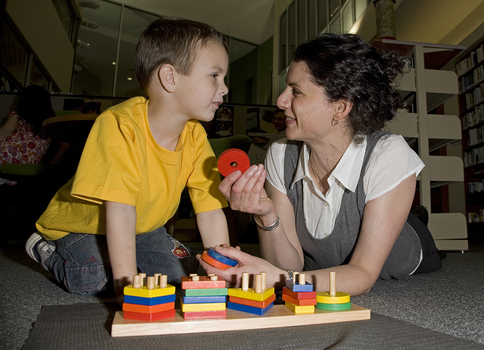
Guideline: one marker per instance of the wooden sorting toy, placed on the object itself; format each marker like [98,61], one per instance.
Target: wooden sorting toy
[133,323]
[152,301]
[299,295]
[242,299]
[279,316]
[223,259]
[332,300]
[199,305]
[231,160]
[214,262]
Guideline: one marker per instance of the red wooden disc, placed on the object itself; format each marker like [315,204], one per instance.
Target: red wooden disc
[231,160]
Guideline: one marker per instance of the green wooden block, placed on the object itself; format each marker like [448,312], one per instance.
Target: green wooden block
[205,292]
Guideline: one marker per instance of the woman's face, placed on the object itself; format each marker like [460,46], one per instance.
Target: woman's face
[308,113]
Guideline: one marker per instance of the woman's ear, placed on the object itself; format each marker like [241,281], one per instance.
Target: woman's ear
[167,76]
[342,108]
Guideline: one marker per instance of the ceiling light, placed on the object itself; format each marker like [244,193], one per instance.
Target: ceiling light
[83,44]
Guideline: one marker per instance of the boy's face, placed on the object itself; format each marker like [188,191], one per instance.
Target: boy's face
[201,93]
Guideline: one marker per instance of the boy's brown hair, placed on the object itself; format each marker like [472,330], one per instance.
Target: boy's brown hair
[171,40]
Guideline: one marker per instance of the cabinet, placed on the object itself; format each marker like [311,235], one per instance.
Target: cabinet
[470,71]
[428,87]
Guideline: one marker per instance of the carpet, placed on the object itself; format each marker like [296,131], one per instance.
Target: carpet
[87,326]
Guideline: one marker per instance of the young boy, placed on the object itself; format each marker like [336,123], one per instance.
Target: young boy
[137,160]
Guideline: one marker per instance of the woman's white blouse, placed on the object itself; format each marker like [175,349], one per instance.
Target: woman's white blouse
[391,162]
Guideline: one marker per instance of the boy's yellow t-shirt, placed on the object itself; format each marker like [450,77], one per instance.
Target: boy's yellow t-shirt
[121,162]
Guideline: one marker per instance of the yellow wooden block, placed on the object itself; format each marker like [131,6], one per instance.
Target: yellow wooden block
[338,298]
[149,293]
[202,306]
[297,309]
[250,294]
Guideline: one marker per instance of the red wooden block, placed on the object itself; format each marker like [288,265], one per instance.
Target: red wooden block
[197,315]
[299,295]
[130,315]
[299,302]
[146,309]
[254,303]
[204,282]
[214,262]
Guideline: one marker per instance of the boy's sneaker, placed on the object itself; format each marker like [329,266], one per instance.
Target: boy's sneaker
[39,249]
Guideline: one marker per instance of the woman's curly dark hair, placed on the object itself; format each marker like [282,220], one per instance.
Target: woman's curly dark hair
[35,106]
[347,67]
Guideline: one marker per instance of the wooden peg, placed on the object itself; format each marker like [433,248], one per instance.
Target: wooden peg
[295,277]
[195,278]
[143,278]
[302,278]
[157,279]
[213,278]
[163,281]
[258,284]
[150,283]
[137,281]
[245,281]
[332,283]
[264,280]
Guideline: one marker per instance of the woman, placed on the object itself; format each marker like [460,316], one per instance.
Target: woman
[339,198]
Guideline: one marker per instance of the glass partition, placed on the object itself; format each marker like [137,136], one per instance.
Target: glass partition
[291,31]
[96,51]
[322,15]
[242,82]
[14,55]
[348,19]
[133,24]
[302,22]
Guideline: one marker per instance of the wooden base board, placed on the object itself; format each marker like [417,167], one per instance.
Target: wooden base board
[278,316]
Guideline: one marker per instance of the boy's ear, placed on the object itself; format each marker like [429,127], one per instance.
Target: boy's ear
[167,76]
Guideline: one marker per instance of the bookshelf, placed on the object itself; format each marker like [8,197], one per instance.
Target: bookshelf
[428,87]
[470,71]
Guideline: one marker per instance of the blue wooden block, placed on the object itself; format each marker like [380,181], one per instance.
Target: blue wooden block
[223,259]
[249,309]
[308,287]
[205,299]
[149,301]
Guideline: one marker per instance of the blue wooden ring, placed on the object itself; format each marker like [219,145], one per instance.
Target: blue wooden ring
[223,259]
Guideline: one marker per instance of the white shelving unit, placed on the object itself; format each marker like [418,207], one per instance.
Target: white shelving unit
[431,87]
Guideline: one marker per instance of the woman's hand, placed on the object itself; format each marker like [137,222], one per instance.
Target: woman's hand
[245,192]
[247,263]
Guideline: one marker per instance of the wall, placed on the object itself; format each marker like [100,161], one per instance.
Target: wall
[40,25]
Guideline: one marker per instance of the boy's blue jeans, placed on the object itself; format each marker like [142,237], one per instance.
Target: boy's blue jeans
[81,262]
